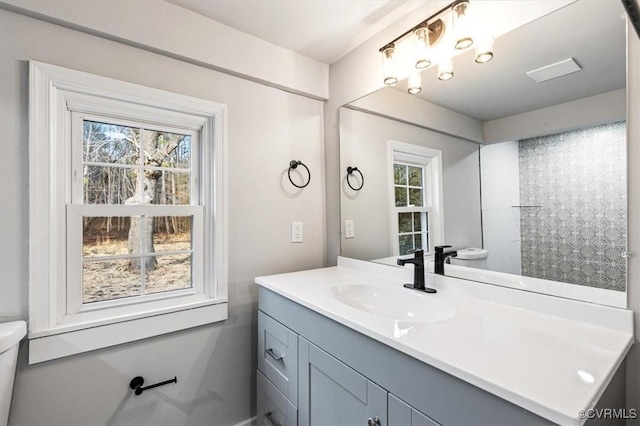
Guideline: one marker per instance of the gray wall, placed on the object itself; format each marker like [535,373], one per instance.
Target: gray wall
[363,143]
[215,365]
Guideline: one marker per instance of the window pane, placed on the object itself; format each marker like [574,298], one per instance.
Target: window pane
[417,238]
[172,233]
[105,236]
[417,222]
[180,157]
[110,143]
[167,149]
[415,176]
[404,222]
[108,185]
[173,188]
[406,244]
[140,238]
[170,273]
[401,197]
[399,174]
[415,197]
[110,279]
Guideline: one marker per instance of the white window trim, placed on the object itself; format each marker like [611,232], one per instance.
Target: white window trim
[432,159]
[53,92]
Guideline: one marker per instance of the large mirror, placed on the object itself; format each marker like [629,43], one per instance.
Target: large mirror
[526,179]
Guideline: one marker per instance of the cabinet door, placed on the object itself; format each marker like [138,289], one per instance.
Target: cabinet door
[331,393]
[402,414]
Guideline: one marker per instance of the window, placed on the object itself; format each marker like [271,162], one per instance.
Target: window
[127,191]
[412,214]
[417,222]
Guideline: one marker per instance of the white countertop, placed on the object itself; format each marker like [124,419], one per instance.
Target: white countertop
[551,363]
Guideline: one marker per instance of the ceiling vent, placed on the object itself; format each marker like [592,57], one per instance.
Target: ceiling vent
[559,69]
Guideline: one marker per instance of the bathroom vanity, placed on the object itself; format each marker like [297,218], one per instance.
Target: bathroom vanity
[349,345]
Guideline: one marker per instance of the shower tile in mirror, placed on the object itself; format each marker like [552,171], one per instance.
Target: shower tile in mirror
[578,233]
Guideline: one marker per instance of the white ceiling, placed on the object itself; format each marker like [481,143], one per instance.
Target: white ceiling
[324,30]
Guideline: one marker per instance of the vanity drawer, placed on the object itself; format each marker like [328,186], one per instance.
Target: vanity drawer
[273,408]
[278,356]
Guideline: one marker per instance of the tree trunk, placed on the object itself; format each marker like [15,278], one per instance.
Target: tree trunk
[141,232]
[141,237]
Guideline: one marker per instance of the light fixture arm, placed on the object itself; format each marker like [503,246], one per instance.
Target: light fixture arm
[633,11]
[421,24]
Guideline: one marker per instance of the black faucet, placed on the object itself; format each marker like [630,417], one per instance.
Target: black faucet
[442,254]
[418,272]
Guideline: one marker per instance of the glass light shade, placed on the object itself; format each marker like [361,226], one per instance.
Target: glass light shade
[484,51]
[390,77]
[462,26]
[421,46]
[415,83]
[445,70]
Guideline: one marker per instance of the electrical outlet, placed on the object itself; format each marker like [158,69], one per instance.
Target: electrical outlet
[349,231]
[296,232]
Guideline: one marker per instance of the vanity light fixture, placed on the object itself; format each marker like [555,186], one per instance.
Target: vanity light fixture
[390,77]
[445,70]
[484,50]
[421,44]
[437,39]
[415,83]
[462,25]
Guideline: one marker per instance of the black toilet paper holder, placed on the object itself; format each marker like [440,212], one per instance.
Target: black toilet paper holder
[137,382]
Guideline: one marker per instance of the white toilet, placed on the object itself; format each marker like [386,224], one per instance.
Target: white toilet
[10,335]
[472,257]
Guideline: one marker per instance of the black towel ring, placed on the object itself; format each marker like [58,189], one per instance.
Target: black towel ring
[350,170]
[293,164]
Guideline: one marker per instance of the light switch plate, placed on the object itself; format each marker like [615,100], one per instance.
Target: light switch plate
[349,231]
[296,232]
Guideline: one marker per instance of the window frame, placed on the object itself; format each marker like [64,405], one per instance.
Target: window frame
[57,95]
[430,160]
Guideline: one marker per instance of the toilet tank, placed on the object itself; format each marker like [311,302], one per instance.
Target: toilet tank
[10,335]
[472,257]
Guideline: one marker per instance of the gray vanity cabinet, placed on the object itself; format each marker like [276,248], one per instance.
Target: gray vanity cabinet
[402,414]
[301,384]
[331,393]
[315,371]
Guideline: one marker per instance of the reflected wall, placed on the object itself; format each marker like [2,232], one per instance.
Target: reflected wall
[364,141]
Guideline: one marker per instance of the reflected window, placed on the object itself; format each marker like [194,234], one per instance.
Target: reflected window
[412,214]
[416,198]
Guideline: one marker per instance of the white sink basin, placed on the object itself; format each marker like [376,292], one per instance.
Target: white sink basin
[399,304]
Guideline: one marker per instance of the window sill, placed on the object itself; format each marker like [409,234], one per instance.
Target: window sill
[68,343]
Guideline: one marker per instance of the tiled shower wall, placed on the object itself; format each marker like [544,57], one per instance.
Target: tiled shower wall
[574,226]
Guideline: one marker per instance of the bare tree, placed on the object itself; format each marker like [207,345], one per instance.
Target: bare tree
[156,148]
[126,182]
